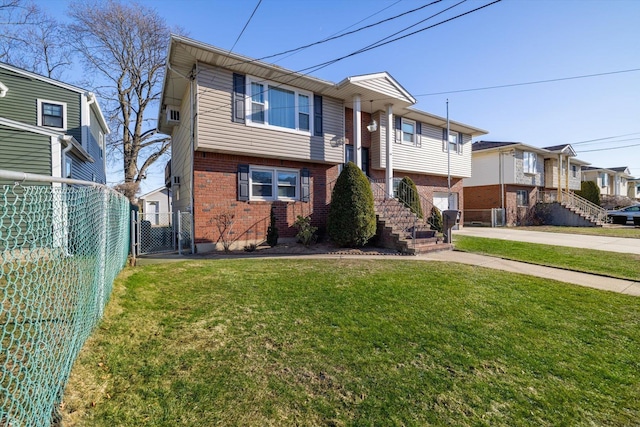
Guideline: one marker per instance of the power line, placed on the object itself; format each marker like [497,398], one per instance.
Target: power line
[606,149]
[531,83]
[371,46]
[610,142]
[245,25]
[335,36]
[602,139]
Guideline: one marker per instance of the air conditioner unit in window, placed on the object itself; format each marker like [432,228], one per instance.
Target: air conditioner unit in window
[173,116]
[175,180]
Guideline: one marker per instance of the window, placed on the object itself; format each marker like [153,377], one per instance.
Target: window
[274,184]
[350,157]
[574,171]
[604,178]
[68,165]
[453,142]
[408,131]
[275,105]
[522,197]
[530,162]
[52,114]
[101,143]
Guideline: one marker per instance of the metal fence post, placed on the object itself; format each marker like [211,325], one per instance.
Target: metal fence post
[179,234]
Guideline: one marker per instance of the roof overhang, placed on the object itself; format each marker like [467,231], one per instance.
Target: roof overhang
[76,148]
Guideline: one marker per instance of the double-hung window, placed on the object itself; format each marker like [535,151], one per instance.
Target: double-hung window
[52,114]
[274,184]
[453,142]
[275,105]
[605,179]
[408,131]
[574,171]
[530,162]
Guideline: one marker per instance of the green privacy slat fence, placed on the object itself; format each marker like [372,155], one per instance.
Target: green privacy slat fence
[61,247]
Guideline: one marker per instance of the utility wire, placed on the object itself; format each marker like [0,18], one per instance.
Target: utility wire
[335,36]
[245,26]
[531,83]
[610,142]
[602,139]
[610,148]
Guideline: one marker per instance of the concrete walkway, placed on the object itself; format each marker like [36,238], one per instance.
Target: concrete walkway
[600,243]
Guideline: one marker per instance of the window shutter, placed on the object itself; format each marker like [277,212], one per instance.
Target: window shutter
[239,87]
[398,129]
[317,116]
[243,182]
[305,185]
[418,134]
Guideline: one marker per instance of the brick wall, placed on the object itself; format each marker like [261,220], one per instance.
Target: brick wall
[215,193]
[486,197]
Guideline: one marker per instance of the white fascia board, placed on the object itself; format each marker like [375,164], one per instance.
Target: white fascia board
[30,128]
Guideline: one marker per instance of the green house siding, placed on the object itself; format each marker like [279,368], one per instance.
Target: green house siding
[24,151]
[21,101]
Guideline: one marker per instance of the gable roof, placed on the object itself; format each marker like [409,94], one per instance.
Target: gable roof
[621,170]
[547,152]
[487,145]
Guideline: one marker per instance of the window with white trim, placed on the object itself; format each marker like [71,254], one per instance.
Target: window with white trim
[52,114]
[274,184]
[453,142]
[274,105]
[604,178]
[68,167]
[522,197]
[408,131]
[101,143]
[530,162]
[574,171]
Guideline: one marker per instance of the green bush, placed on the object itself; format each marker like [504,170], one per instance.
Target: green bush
[436,219]
[272,231]
[352,217]
[306,232]
[590,191]
[409,196]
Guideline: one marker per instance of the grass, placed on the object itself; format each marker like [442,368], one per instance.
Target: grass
[626,232]
[623,266]
[356,343]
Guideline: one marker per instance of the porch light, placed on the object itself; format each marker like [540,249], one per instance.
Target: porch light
[373,125]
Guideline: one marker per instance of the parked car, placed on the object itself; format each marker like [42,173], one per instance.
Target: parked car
[621,216]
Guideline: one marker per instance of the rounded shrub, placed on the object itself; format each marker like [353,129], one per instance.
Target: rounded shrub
[436,219]
[408,195]
[589,190]
[352,218]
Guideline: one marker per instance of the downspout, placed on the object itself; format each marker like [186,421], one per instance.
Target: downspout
[192,100]
[357,131]
[560,177]
[500,177]
[566,186]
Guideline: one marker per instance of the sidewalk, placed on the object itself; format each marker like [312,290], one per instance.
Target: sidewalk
[600,243]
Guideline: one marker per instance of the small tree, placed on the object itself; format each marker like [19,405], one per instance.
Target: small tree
[590,191]
[409,196]
[272,231]
[436,219]
[352,217]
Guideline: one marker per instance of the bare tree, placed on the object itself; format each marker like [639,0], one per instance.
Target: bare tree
[32,40]
[126,45]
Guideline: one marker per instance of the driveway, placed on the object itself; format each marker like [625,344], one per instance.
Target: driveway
[611,244]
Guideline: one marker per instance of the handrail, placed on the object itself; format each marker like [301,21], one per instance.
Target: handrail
[409,217]
[590,209]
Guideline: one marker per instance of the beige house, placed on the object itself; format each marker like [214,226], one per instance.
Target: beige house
[611,181]
[249,136]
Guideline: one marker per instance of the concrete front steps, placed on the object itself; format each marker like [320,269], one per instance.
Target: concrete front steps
[395,229]
[562,214]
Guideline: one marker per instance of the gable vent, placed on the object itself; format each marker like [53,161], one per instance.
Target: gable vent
[173,116]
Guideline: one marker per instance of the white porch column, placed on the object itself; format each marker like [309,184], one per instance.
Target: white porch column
[568,173]
[559,177]
[389,142]
[357,132]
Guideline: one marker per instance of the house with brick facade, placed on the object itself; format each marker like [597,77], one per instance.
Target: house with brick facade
[512,175]
[248,136]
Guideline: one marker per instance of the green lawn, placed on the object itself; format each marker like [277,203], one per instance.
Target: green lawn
[626,232]
[356,343]
[624,266]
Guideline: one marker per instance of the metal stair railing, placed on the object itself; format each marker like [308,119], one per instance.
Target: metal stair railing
[402,211]
[572,200]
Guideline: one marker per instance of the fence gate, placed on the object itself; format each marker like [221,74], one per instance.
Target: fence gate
[157,232]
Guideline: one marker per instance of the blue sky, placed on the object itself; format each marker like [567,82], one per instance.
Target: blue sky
[513,41]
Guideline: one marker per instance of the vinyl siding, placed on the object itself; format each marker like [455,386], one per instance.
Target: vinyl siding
[24,151]
[381,85]
[216,131]
[87,170]
[428,158]
[181,159]
[486,169]
[21,104]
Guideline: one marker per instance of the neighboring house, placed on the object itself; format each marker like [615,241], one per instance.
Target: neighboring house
[49,127]
[247,135]
[511,175]
[611,181]
[156,206]
[634,188]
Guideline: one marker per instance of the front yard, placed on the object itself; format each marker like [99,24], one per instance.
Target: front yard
[355,342]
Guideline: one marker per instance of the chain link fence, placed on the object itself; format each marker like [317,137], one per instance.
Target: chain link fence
[62,246]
